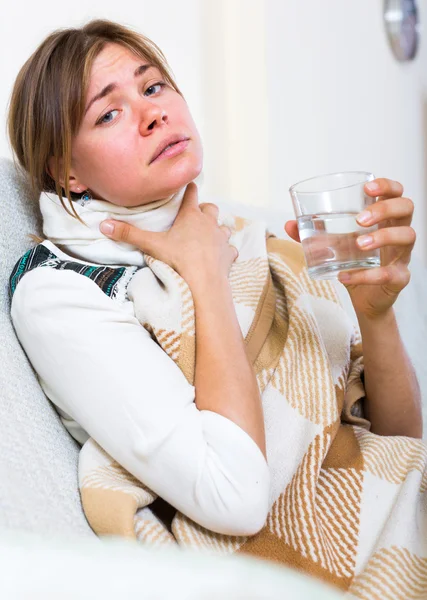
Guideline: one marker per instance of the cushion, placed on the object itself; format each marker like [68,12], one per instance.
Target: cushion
[38,458]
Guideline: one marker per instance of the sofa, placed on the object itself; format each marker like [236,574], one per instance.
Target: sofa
[41,519]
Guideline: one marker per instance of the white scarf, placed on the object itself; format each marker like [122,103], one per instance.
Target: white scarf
[88,243]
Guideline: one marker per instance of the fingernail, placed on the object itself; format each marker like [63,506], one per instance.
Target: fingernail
[364,217]
[372,186]
[107,228]
[344,277]
[365,240]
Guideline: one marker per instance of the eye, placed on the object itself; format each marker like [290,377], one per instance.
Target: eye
[160,84]
[103,118]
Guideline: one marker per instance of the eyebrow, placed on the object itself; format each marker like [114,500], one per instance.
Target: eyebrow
[108,89]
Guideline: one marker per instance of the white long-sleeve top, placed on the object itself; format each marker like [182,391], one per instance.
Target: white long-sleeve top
[110,381]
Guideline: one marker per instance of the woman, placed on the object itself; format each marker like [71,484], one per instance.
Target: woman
[223,430]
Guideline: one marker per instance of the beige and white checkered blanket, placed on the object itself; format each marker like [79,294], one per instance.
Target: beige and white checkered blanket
[347,506]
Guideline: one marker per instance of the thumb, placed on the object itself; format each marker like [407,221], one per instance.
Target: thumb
[190,198]
[120,231]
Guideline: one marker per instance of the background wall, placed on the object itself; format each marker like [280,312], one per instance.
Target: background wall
[331,97]
[281,90]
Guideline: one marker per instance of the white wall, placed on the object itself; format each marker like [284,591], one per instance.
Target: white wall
[340,101]
[281,89]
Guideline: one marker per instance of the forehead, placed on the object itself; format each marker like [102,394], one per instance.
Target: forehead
[113,60]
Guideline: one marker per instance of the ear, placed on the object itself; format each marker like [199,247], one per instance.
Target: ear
[75,184]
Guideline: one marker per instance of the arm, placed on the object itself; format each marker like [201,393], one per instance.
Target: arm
[199,251]
[97,363]
[393,400]
[225,381]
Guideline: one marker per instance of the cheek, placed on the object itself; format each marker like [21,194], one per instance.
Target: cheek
[107,155]
[197,139]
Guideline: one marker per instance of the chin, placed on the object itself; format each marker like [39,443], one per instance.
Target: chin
[179,178]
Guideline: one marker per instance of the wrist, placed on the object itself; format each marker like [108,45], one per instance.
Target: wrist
[383,319]
[207,282]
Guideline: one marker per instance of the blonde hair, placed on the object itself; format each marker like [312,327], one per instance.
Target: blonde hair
[48,98]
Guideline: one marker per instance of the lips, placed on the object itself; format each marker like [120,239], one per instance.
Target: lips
[170,140]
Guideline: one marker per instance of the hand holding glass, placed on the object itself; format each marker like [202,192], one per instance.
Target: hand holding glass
[326,208]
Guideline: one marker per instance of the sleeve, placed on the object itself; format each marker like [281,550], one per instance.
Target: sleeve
[352,412]
[98,364]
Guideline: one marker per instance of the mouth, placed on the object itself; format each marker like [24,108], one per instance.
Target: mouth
[171,146]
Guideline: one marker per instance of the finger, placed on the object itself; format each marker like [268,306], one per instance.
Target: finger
[235,252]
[323,248]
[208,208]
[395,277]
[393,208]
[120,231]
[388,236]
[384,187]
[291,229]
[226,230]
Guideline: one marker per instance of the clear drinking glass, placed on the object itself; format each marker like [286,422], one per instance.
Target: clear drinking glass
[326,208]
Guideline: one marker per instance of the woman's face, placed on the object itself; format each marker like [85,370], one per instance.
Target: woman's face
[112,153]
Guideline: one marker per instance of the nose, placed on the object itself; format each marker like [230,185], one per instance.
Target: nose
[151,116]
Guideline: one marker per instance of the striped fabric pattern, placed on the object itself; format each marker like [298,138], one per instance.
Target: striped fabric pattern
[392,574]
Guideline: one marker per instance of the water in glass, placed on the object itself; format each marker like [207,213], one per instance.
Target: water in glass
[329,243]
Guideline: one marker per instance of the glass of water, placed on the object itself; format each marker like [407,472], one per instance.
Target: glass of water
[326,208]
